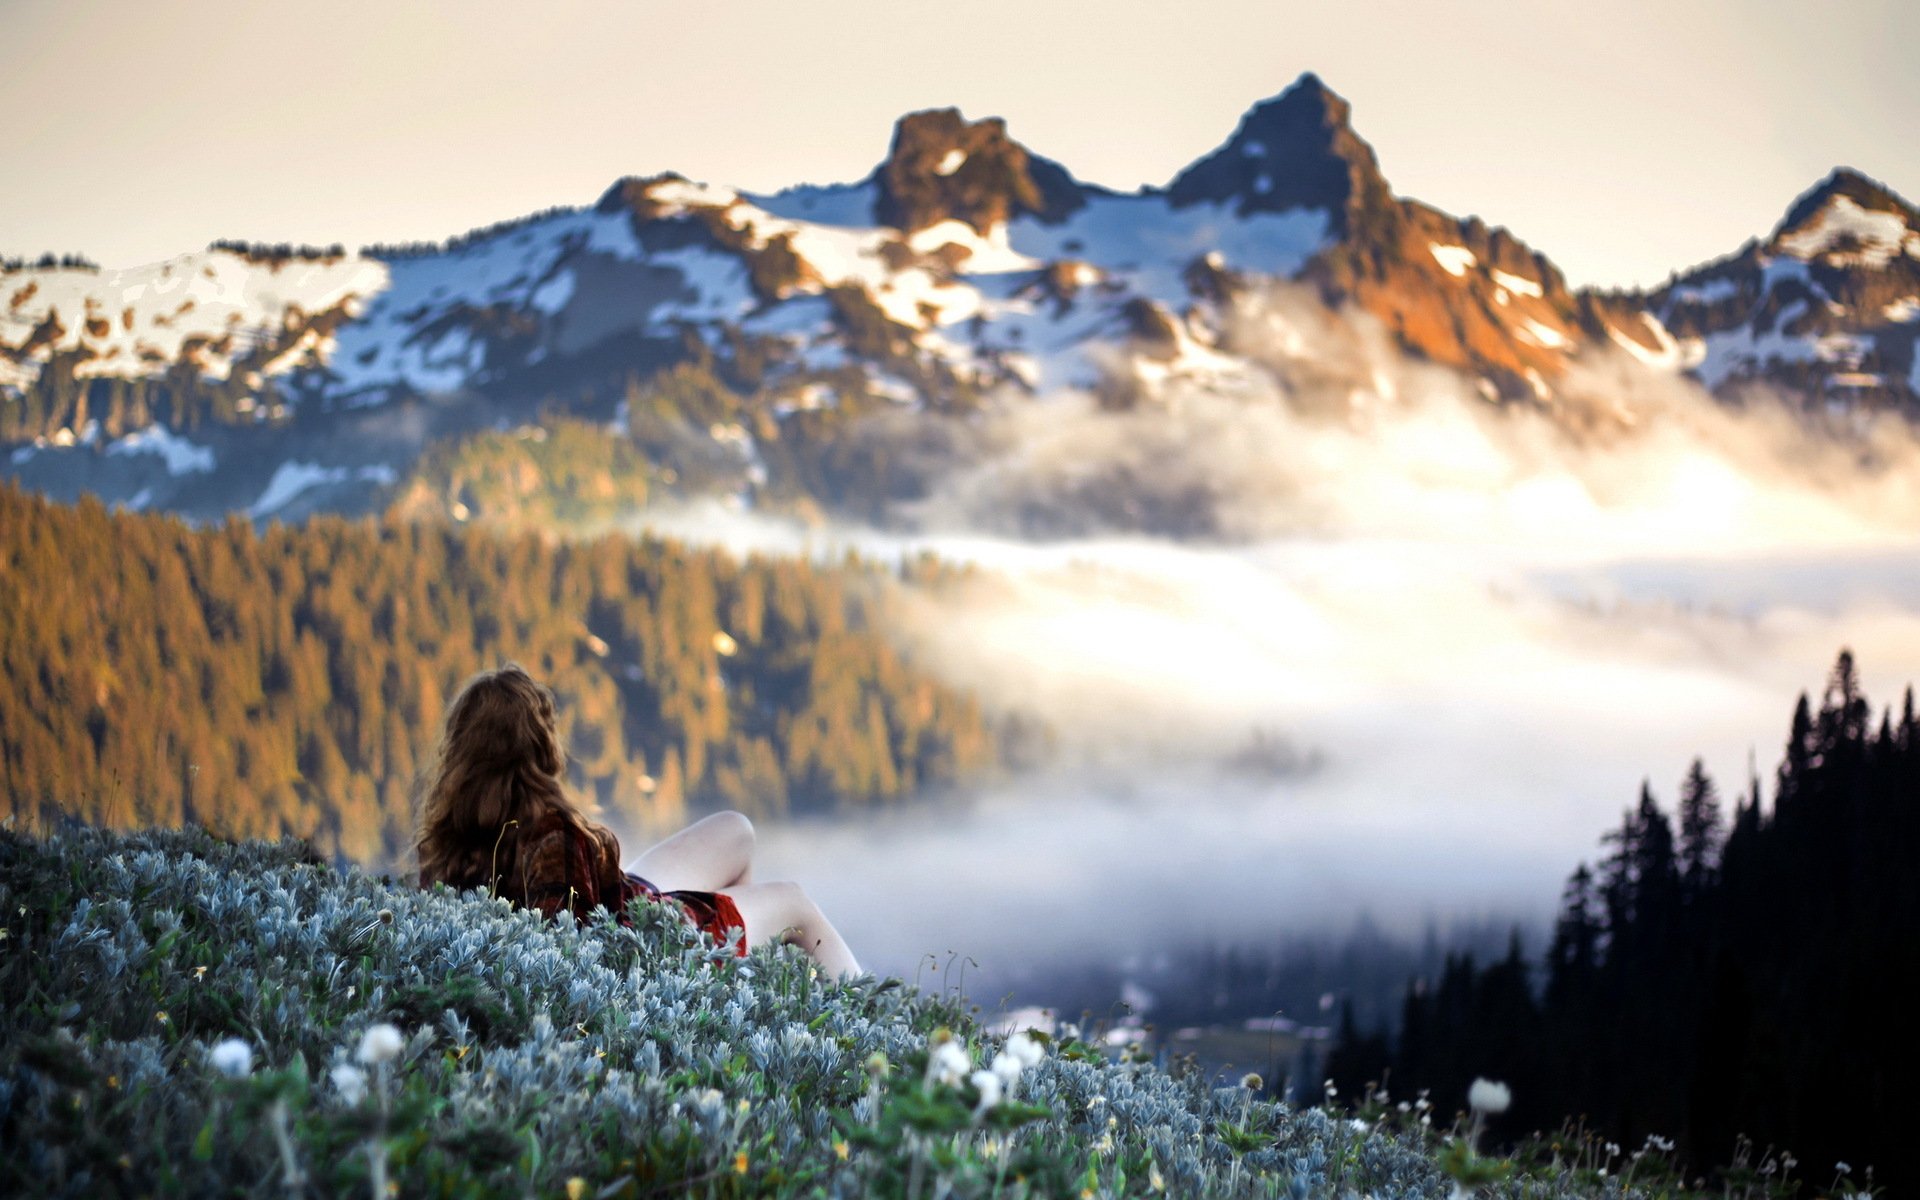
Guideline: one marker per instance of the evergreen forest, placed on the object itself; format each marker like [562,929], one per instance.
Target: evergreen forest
[1728,982]
[290,681]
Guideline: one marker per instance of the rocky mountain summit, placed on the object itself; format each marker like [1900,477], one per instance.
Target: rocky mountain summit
[1827,306]
[282,379]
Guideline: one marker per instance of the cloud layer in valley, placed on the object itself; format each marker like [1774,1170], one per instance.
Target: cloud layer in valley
[1418,657]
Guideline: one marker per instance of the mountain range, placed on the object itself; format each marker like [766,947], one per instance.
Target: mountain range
[737,339]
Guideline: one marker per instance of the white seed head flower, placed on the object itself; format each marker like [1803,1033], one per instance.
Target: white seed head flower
[381,1043]
[1254,1083]
[232,1058]
[1028,1051]
[1487,1096]
[351,1082]
[1842,1168]
[948,1064]
[1006,1067]
[988,1085]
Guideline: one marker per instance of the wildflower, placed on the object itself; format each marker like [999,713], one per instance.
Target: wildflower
[1332,1091]
[1006,1067]
[948,1063]
[162,1017]
[877,1065]
[1104,1145]
[1096,1100]
[576,1187]
[1155,1179]
[740,1162]
[200,972]
[351,1082]
[709,1098]
[232,1058]
[988,1085]
[381,1043]
[1253,1083]
[1486,1096]
[1028,1051]
[840,1149]
[1841,1168]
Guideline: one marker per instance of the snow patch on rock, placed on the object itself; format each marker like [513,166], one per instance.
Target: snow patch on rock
[181,456]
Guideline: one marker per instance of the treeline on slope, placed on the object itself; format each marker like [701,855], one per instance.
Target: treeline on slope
[703,427]
[1714,980]
[180,397]
[291,681]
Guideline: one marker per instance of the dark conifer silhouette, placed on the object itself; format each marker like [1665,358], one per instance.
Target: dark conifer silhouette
[1748,982]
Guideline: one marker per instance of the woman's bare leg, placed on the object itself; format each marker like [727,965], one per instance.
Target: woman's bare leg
[782,912]
[714,854]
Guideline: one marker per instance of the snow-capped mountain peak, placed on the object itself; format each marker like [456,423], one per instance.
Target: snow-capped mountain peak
[1848,220]
[1827,306]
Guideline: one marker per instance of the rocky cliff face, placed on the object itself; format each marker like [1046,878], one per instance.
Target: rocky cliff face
[942,167]
[1297,150]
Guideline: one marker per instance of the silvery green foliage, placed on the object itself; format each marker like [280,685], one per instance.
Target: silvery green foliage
[639,1060]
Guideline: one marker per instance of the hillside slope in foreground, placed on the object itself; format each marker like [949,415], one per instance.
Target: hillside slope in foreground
[184,1016]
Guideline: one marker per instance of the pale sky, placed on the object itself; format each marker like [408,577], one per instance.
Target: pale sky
[1623,140]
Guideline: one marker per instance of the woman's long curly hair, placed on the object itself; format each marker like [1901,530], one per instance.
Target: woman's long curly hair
[500,763]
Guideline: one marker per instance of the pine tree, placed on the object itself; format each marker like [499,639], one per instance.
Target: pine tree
[1700,831]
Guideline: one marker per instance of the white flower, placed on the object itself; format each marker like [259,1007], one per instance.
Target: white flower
[1842,1168]
[381,1043]
[989,1087]
[948,1063]
[232,1058]
[1486,1096]
[351,1081]
[1025,1049]
[1006,1067]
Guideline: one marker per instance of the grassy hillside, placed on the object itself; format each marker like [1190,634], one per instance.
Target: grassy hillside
[531,1059]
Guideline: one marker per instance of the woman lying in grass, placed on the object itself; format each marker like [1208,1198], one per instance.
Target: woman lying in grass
[495,815]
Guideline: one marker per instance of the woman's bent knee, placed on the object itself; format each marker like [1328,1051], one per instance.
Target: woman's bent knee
[734,826]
